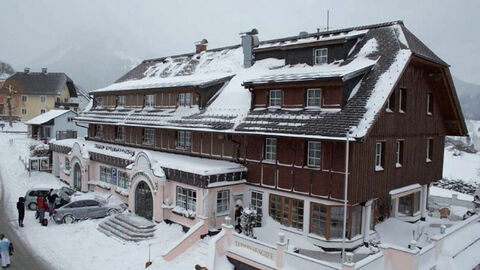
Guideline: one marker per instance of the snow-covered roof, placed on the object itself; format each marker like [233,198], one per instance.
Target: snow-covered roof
[372,66]
[45,117]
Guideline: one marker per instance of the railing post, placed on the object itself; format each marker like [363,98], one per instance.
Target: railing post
[281,246]
[228,228]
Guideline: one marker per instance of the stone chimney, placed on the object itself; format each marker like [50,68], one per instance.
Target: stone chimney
[26,70]
[201,46]
[44,70]
[249,41]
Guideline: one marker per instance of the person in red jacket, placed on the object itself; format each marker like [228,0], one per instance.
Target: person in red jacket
[41,207]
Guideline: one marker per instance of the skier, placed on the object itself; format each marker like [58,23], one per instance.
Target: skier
[5,251]
[21,210]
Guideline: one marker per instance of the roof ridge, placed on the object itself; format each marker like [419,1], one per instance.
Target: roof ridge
[190,54]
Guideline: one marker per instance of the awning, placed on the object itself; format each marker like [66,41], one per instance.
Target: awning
[404,191]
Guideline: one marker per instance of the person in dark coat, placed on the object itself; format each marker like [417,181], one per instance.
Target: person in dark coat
[21,210]
[51,201]
[238,214]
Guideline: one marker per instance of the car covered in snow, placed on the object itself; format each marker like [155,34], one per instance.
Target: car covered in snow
[63,196]
[86,209]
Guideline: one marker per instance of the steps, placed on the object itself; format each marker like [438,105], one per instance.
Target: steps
[128,227]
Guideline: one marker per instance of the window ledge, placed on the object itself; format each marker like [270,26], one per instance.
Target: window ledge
[313,108]
[388,110]
[398,165]
[274,107]
[429,113]
[428,160]
[268,161]
[223,214]
[401,111]
[292,230]
[378,168]
[316,168]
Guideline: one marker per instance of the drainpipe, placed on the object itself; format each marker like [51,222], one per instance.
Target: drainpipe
[345,196]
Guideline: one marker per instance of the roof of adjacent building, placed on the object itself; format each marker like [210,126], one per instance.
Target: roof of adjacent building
[46,117]
[376,61]
[39,83]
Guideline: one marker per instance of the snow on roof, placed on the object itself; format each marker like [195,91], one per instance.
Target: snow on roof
[45,117]
[196,165]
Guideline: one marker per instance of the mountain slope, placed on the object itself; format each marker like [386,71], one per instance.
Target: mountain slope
[5,70]
[469,96]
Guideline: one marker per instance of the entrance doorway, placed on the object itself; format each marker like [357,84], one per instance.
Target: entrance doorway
[143,201]
[77,177]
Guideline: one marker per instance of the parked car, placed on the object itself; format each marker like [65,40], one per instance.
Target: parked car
[32,194]
[85,209]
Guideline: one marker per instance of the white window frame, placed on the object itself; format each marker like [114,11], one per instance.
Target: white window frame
[223,202]
[270,149]
[378,156]
[120,101]
[428,157]
[321,56]
[429,110]
[99,102]
[186,198]
[122,181]
[398,152]
[120,136]
[149,101]
[66,164]
[148,136]
[105,174]
[184,139]
[24,98]
[314,98]
[275,98]
[401,100]
[184,99]
[24,111]
[256,202]
[43,99]
[312,159]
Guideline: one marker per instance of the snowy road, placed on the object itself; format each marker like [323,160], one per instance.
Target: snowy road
[23,257]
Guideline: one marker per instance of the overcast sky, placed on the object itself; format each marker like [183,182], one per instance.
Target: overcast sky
[33,32]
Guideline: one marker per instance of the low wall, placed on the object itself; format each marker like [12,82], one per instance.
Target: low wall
[191,237]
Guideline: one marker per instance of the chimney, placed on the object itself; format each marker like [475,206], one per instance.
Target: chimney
[249,41]
[44,70]
[26,70]
[201,46]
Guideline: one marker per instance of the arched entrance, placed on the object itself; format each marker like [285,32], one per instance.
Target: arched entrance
[143,201]
[77,177]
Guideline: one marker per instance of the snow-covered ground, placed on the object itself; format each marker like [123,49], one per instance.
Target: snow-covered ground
[16,127]
[459,165]
[80,245]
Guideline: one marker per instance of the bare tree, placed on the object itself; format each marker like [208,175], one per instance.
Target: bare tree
[11,92]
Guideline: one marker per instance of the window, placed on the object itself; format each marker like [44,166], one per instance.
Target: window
[120,133]
[409,205]
[148,136]
[402,102]
[321,56]
[67,164]
[120,101]
[399,154]
[46,132]
[91,203]
[275,98]
[390,103]
[223,201]
[70,119]
[186,198]
[122,179]
[314,97]
[149,101]
[336,222]
[58,100]
[314,154]
[271,149]
[43,99]
[356,217]
[429,104]
[98,131]
[184,139]
[99,101]
[429,149]
[24,98]
[319,219]
[256,202]
[379,156]
[287,211]
[42,111]
[24,111]
[105,174]
[184,99]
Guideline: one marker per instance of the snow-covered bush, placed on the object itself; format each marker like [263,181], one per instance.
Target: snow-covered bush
[248,219]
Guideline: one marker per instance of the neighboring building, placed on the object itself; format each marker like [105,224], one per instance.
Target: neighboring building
[55,124]
[2,99]
[82,99]
[35,93]
[183,138]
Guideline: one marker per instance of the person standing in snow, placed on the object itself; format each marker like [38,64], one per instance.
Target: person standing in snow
[5,251]
[238,214]
[21,210]
[41,207]
[51,201]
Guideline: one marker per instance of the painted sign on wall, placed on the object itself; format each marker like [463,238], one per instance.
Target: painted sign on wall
[114,173]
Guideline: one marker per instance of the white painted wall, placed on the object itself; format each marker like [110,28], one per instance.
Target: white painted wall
[62,124]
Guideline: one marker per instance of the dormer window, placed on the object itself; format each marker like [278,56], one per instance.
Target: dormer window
[314,97]
[149,101]
[120,101]
[184,99]
[99,101]
[321,56]
[275,98]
